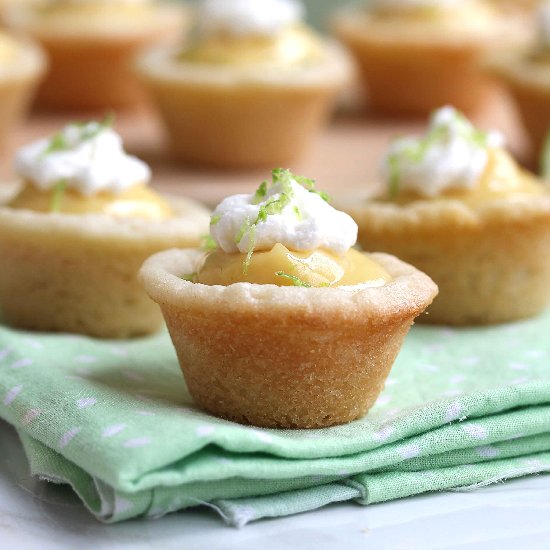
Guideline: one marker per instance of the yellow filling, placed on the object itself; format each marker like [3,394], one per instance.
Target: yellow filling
[136,202]
[294,45]
[502,179]
[469,13]
[81,12]
[8,48]
[282,267]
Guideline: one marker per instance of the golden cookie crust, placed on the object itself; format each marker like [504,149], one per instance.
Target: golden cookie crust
[285,357]
[242,116]
[490,262]
[78,273]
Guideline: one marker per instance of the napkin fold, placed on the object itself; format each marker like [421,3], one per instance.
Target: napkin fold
[462,408]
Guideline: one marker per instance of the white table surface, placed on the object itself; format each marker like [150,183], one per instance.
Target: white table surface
[506,516]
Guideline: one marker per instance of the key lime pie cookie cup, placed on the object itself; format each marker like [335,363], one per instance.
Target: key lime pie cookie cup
[91,45]
[22,65]
[458,207]
[415,56]
[283,325]
[526,73]
[253,88]
[70,253]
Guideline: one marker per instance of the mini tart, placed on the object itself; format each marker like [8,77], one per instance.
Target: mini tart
[412,67]
[78,273]
[490,261]
[91,54]
[285,357]
[18,80]
[528,80]
[232,116]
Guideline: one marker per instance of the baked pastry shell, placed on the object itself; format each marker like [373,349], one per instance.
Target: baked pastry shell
[491,263]
[242,117]
[18,81]
[285,357]
[78,273]
[529,84]
[91,66]
[412,68]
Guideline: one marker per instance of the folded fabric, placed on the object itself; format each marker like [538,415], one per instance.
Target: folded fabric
[462,408]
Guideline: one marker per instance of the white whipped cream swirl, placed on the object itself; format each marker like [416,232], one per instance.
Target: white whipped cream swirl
[306,222]
[248,17]
[452,155]
[88,158]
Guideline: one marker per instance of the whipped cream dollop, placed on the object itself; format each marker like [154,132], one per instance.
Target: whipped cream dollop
[248,17]
[289,212]
[543,26]
[88,158]
[452,155]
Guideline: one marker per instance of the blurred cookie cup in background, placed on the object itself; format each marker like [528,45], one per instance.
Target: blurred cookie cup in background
[417,55]
[77,228]
[454,204]
[22,65]
[252,87]
[526,73]
[91,45]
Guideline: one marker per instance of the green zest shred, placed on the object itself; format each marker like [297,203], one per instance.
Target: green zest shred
[208,243]
[296,281]
[57,195]
[214,220]
[261,192]
[191,278]
[89,132]
[58,141]
[309,184]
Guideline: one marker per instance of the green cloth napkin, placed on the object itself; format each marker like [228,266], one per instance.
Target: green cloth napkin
[461,409]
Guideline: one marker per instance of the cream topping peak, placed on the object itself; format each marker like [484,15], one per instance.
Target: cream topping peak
[87,157]
[452,154]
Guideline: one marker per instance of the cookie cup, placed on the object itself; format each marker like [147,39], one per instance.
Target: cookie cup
[285,357]
[78,273]
[228,116]
[490,262]
[412,68]
[528,81]
[91,60]
[18,81]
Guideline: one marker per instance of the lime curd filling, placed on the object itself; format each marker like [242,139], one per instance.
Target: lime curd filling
[79,11]
[283,267]
[454,13]
[8,49]
[138,201]
[294,45]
